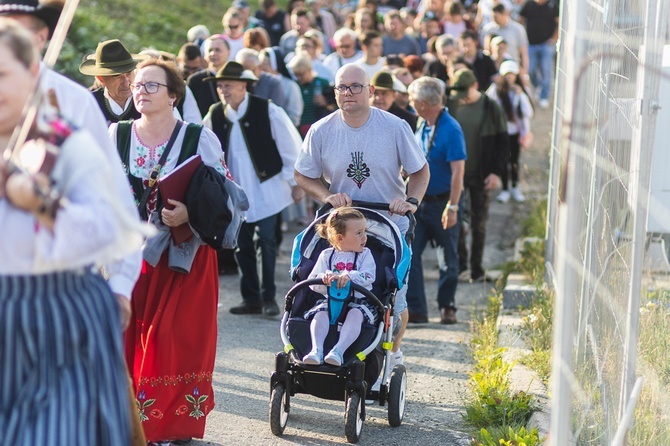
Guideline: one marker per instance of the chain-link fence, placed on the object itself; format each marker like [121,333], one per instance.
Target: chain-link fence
[610,74]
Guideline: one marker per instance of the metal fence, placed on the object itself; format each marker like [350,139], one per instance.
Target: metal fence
[609,74]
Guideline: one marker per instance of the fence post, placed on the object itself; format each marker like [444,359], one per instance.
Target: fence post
[643,135]
[567,224]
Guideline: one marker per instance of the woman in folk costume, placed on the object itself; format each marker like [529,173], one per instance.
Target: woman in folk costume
[171,341]
[62,373]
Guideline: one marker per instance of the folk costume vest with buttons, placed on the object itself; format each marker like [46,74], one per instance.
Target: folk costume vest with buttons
[257,133]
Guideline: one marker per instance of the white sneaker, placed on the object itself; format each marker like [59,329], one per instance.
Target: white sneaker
[503,197]
[334,357]
[315,357]
[544,104]
[517,195]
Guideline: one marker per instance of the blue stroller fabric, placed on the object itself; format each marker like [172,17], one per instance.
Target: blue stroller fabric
[337,299]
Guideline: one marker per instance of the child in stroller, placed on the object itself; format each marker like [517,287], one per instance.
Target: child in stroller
[370,352]
[347,259]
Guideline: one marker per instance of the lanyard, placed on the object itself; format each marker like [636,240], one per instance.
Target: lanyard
[431,140]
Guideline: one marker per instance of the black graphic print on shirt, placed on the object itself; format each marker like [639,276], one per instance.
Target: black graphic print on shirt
[358,171]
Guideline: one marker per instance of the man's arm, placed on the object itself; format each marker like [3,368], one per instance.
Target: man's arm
[416,187]
[418,183]
[449,218]
[319,191]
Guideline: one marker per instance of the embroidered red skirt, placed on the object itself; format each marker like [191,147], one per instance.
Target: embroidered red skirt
[170,346]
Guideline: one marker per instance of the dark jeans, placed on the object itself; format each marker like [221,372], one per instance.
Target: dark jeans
[479,214]
[254,239]
[512,163]
[429,226]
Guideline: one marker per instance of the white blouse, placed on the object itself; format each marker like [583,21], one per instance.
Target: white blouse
[142,158]
[92,227]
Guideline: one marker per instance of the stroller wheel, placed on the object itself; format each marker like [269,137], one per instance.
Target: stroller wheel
[278,409]
[397,394]
[353,417]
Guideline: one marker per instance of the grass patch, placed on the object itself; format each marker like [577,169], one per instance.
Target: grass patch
[497,416]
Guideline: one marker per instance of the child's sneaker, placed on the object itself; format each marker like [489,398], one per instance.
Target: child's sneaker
[315,357]
[334,357]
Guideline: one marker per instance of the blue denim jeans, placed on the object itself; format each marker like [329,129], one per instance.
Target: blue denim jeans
[254,239]
[541,66]
[429,226]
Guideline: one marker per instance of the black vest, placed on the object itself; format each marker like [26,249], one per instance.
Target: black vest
[129,114]
[255,125]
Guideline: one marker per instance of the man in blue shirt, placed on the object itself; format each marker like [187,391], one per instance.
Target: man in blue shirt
[438,217]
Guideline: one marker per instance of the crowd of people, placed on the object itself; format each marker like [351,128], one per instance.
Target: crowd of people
[422,104]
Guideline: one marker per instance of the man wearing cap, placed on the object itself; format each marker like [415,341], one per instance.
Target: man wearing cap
[438,216]
[373,48]
[359,150]
[216,52]
[78,106]
[261,145]
[386,86]
[485,129]
[114,67]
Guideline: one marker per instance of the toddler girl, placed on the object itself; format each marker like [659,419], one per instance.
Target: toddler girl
[348,259]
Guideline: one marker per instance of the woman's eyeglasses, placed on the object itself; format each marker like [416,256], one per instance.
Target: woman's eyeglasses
[149,87]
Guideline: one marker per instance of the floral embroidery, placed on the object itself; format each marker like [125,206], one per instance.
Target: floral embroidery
[140,161]
[196,412]
[174,380]
[142,403]
[157,414]
[181,410]
[341,266]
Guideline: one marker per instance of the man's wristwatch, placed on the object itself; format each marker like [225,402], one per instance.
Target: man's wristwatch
[452,207]
[412,200]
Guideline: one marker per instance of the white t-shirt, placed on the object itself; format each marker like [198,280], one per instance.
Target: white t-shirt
[362,162]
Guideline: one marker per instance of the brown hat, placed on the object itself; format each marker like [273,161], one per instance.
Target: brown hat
[49,12]
[232,71]
[110,58]
[461,83]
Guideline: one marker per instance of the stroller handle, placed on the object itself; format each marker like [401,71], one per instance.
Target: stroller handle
[409,235]
[354,287]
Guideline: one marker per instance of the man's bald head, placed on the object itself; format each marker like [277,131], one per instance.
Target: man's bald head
[354,72]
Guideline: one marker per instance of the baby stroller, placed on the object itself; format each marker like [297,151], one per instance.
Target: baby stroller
[371,351]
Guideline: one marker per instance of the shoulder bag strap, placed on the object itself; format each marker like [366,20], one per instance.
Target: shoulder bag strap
[153,175]
[190,145]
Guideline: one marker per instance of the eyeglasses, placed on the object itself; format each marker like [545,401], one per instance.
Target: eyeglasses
[149,87]
[353,89]
[233,26]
